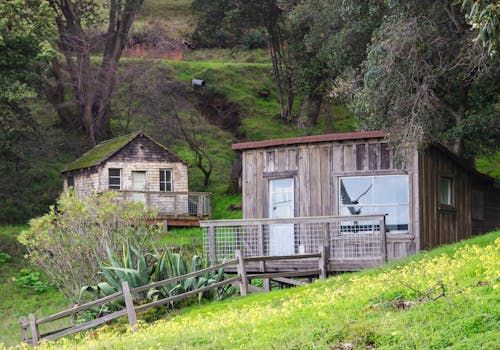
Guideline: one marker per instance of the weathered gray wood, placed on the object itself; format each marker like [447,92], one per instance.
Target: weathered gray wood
[279,174]
[326,191]
[281,257]
[70,312]
[260,244]
[186,295]
[274,275]
[326,234]
[212,254]
[282,166]
[86,325]
[183,277]
[349,158]
[383,239]
[23,324]
[255,289]
[260,188]
[292,159]
[303,185]
[289,281]
[242,273]
[323,263]
[34,329]
[129,303]
[315,182]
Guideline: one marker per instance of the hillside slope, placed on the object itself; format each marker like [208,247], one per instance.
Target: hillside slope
[447,298]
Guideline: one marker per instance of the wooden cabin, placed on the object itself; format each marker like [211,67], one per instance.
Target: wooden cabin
[351,193]
[142,170]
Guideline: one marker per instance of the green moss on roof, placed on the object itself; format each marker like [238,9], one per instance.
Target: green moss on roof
[100,153]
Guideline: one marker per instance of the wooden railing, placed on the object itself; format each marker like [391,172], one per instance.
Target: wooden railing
[172,204]
[241,279]
[353,242]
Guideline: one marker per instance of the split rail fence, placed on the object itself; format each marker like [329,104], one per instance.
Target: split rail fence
[241,280]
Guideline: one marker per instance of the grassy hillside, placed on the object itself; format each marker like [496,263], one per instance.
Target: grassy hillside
[446,298]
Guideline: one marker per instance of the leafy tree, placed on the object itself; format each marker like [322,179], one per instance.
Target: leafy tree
[423,74]
[92,84]
[69,241]
[484,17]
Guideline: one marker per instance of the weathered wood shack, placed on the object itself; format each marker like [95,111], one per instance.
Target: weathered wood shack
[426,198]
[142,170]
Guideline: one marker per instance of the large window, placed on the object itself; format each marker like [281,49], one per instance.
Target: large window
[114,179]
[375,195]
[166,180]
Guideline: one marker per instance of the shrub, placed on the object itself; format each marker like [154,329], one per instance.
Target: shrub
[68,241]
[30,279]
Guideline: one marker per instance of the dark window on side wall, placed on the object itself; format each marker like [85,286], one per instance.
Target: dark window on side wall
[166,180]
[70,181]
[477,205]
[114,179]
[446,190]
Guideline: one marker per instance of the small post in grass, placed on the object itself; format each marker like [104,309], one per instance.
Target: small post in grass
[129,303]
[242,273]
[34,329]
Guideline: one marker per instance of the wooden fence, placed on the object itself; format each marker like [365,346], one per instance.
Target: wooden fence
[241,280]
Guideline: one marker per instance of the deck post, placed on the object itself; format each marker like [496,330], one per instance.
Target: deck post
[212,254]
[323,262]
[383,238]
[35,334]
[326,242]
[242,274]
[129,303]
[262,264]
[201,204]
[22,322]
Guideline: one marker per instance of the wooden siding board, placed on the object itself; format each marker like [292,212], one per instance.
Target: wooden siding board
[315,181]
[261,205]
[361,156]
[282,160]
[303,183]
[349,158]
[373,156]
[325,181]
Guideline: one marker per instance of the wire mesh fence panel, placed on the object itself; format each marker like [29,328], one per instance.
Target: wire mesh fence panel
[345,237]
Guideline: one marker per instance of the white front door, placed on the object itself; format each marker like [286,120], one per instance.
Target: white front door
[139,184]
[281,205]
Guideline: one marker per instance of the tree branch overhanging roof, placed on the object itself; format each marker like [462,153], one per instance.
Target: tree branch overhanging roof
[106,149]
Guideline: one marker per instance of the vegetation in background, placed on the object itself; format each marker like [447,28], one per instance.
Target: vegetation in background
[68,241]
[439,299]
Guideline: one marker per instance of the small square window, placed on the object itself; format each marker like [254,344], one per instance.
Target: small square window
[446,190]
[114,179]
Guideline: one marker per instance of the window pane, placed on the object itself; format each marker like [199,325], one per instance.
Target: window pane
[114,172]
[445,190]
[114,181]
[356,190]
[169,187]
[168,175]
[390,189]
[162,175]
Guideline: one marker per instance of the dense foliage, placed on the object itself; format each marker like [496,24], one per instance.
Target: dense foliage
[441,299]
[68,242]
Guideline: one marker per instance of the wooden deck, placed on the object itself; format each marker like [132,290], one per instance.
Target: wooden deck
[353,243]
[176,208]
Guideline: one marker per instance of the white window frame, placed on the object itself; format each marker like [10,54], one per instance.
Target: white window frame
[165,182]
[373,203]
[119,177]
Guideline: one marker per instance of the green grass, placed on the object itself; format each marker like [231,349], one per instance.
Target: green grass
[489,165]
[16,300]
[356,310]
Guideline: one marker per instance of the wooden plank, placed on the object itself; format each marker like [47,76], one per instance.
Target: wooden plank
[23,324]
[271,161]
[274,275]
[186,295]
[281,257]
[70,312]
[289,281]
[323,263]
[129,304]
[349,158]
[260,189]
[279,174]
[242,275]
[315,182]
[361,157]
[255,289]
[292,159]
[337,158]
[303,184]
[34,329]
[373,156]
[326,199]
[282,161]
[87,325]
[212,254]
[183,277]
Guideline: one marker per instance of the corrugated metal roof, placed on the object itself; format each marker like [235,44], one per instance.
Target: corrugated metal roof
[309,139]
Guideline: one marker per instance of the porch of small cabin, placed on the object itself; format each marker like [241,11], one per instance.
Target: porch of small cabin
[176,208]
[352,242]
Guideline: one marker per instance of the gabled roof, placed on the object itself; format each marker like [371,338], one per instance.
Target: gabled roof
[310,139]
[106,149]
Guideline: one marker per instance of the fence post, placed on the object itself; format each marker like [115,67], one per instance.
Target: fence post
[383,239]
[326,242]
[34,329]
[242,273]
[323,262]
[129,303]
[22,322]
[212,254]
